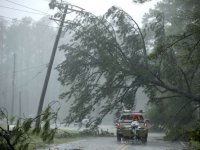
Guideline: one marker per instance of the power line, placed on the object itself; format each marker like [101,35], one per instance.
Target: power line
[33,78]
[29,81]
[15,19]
[31,68]
[22,70]
[22,10]
[26,7]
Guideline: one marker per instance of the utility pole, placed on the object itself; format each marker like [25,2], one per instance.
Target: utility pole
[50,66]
[20,105]
[13,86]
[61,6]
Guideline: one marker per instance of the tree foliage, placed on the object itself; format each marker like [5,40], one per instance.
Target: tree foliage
[103,58]
[108,59]
[172,25]
[140,1]
[20,137]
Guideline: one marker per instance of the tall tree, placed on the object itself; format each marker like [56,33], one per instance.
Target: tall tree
[106,62]
[176,51]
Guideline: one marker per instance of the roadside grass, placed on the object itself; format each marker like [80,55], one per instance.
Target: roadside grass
[195,145]
[37,143]
[65,136]
[62,136]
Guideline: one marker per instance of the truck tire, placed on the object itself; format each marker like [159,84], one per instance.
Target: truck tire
[119,137]
[144,139]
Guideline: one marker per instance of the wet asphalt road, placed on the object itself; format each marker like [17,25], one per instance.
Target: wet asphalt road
[155,142]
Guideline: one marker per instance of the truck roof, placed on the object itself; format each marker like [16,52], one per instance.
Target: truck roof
[131,113]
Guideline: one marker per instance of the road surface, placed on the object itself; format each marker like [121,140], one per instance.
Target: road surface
[155,142]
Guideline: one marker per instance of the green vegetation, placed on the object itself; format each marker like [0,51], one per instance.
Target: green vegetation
[65,136]
[20,137]
[175,114]
[195,145]
[109,57]
[84,133]
[38,143]
[191,135]
[195,137]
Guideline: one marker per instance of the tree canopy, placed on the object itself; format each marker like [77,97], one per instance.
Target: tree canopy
[180,37]
[109,57]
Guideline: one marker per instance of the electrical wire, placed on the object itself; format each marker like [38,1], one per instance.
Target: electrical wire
[22,70]
[29,81]
[11,19]
[26,7]
[33,78]
[21,10]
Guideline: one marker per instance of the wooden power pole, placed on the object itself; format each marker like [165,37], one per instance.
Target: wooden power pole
[61,7]
[50,66]
[20,105]
[13,86]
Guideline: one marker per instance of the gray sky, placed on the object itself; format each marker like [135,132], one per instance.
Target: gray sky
[97,7]
[10,12]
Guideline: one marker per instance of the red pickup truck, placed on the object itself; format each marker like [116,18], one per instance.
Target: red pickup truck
[127,131]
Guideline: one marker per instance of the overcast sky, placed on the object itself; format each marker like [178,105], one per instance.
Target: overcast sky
[97,7]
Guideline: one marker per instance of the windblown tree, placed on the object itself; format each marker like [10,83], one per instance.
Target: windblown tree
[102,62]
[176,34]
[107,60]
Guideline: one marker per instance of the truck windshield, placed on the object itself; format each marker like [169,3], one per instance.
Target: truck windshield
[131,116]
[127,117]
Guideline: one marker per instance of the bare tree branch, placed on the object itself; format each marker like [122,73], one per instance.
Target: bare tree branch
[175,42]
[176,90]
[142,36]
[166,97]
[191,52]
[185,78]
[5,135]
